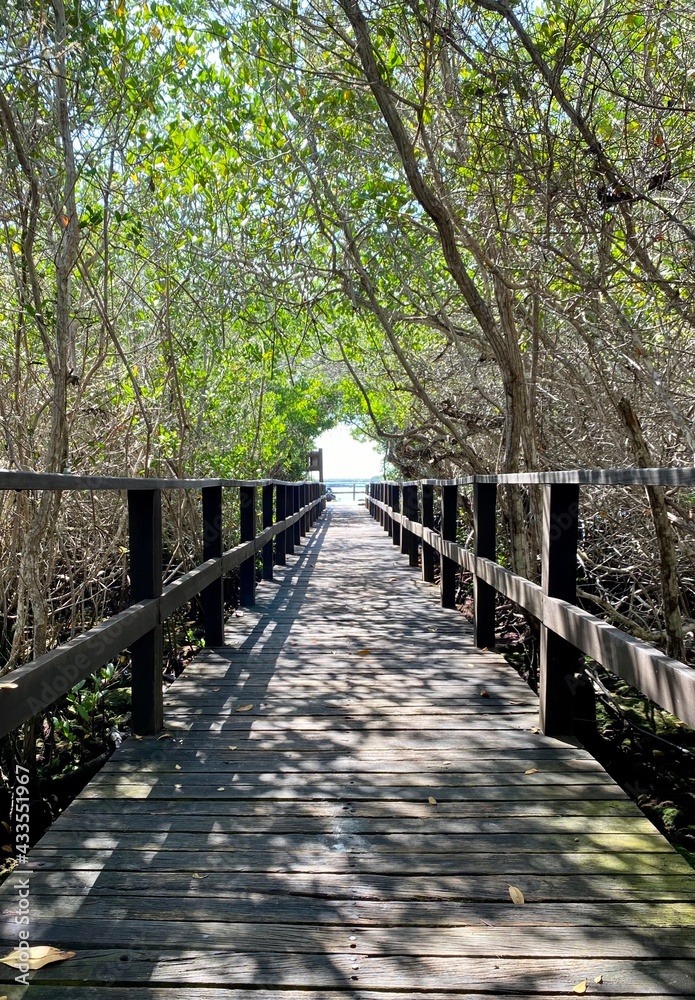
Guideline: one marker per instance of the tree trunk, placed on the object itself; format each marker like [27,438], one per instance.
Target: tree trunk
[668,563]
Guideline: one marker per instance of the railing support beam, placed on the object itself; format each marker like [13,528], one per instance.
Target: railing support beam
[267,505]
[247,520]
[212,597]
[396,504]
[409,540]
[485,525]
[147,653]
[427,522]
[447,569]
[566,695]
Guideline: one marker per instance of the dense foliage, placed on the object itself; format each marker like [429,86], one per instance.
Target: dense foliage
[465,226]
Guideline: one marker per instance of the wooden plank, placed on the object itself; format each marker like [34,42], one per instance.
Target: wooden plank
[329,861]
[356,843]
[282,909]
[609,887]
[140,788]
[149,819]
[224,967]
[318,938]
[210,993]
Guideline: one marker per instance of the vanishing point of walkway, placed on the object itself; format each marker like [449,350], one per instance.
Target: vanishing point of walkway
[342,800]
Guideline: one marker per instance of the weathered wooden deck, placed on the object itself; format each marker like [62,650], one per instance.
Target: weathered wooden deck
[349,791]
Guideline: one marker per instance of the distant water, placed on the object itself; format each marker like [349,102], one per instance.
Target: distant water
[348,489]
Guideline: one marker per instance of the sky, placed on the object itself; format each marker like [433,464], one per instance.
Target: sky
[345,458]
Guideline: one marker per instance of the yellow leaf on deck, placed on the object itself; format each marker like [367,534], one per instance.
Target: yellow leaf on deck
[177,766]
[8,686]
[244,708]
[35,957]
[484,693]
[196,875]
[432,801]
[535,729]
[598,979]
[363,652]
[517,895]
[531,770]
[164,736]
[580,987]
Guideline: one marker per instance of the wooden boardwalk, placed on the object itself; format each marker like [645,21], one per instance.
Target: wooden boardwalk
[347,793]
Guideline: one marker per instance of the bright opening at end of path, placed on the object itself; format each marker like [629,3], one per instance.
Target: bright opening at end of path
[348,463]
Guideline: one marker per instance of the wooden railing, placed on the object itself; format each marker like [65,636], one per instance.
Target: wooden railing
[288,510]
[406,511]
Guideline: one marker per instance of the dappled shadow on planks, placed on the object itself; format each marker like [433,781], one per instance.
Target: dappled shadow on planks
[292,844]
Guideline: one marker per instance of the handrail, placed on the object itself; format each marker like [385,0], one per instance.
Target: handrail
[288,511]
[567,631]
[19,479]
[676,476]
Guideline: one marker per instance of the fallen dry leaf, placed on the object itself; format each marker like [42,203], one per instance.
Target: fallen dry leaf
[8,686]
[244,708]
[177,766]
[535,729]
[598,979]
[517,895]
[36,957]
[164,736]
[432,801]
[580,987]
[231,748]
[363,652]
[221,788]
[484,693]
[532,770]
[196,875]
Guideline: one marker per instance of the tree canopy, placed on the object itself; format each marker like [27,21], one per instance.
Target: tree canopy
[465,227]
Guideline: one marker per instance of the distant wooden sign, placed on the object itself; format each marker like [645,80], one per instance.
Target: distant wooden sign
[316,462]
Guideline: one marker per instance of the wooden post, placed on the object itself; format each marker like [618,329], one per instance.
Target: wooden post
[212,597]
[296,504]
[566,697]
[396,495]
[289,510]
[389,501]
[447,567]
[427,522]
[409,540]
[147,653]
[267,503]
[247,570]
[280,515]
[304,495]
[485,525]
[314,494]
